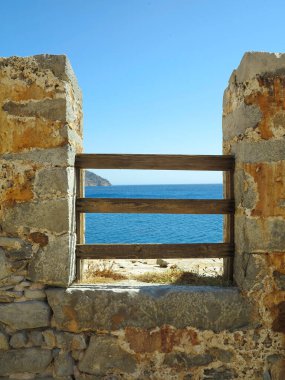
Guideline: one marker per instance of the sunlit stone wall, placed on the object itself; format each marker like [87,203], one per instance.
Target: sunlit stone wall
[40,132]
[51,330]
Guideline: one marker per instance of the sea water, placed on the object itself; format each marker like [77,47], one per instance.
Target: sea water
[154,228]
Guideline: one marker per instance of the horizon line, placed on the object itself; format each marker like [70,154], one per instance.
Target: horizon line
[157,184]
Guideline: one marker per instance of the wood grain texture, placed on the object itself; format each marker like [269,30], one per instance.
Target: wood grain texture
[153,251]
[154,162]
[155,206]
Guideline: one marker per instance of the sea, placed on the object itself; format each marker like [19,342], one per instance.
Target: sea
[154,228]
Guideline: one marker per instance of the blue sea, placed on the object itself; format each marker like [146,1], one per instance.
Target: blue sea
[154,228]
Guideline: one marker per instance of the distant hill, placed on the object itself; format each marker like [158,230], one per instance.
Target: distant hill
[92,179]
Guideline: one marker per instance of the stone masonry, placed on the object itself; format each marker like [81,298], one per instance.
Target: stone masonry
[51,328]
[40,133]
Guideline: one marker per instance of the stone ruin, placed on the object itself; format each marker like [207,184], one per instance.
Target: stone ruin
[53,329]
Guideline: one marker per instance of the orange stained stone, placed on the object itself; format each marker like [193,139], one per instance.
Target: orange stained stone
[21,189]
[269,178]
[70,314]
[162,340]
[277,261]
[270,99]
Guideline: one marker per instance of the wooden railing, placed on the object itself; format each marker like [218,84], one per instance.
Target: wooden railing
[225,206]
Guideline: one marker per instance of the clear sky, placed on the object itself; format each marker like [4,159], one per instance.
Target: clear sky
[152,72]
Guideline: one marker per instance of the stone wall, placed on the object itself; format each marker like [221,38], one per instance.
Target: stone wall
[51,330]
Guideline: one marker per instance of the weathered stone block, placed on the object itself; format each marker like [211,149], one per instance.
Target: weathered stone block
[35,294]
[246,195]
[59,254]
[163,339]
[31,360]
[68,341]
[257,63]
[259,235]
[221,373]
[10,243]
[62,156]
[5,267]
[279,279]
[49,338]
[105,307]
[259,151]
[36,338]
[63,364]
[104,355]
[52,215]
[25,315]
[54,181]
[224,356]
[43,97]
[181,360]
[4,344]
[51,109]
[41,127]
[19,340]
[267,178]
[240,120]
[279,321]
[250,270]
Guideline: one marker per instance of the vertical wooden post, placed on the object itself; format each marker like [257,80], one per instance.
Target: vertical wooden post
[229,223]
[80,218]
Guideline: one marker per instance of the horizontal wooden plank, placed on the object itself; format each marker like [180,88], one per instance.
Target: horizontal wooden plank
[154,162]
[153,251]
[155,206]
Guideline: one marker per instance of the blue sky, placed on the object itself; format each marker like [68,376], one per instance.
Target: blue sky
[152,72]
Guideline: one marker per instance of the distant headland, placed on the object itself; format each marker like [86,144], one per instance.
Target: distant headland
[92,179]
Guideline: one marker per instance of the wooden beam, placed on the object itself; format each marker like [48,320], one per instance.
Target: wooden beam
[155,206]
[153,251]
[154,162]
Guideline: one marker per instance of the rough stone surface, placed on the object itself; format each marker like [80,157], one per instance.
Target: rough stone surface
[79,309]
[69,341]
[254,132]
[183,360]
[251,232]
[224,356]
[103,355]
[49,338]
[25,315]
[35,294]
[4,344]
[19,340]
[54,181]
[41,126]
[49,215]
[219,374]
[260,151]
[63,364]
[5,267]
[24,360]
[59,254]
[60,157]
[36,338]
[280,279]
[257,63]
[250,269]
[125,333]
[238,122]
[51,109]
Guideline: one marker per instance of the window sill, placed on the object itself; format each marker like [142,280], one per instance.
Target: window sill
[112,307]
